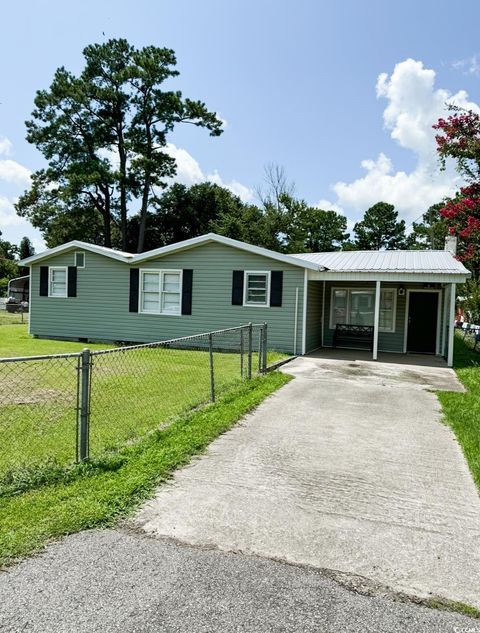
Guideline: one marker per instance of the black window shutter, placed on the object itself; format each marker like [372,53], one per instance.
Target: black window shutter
[187,291]
[237,288]
[72,281]
[276,288]
[134,281]
[44,281]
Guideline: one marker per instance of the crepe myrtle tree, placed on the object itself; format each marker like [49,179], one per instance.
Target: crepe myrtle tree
[458,138]
[104,136]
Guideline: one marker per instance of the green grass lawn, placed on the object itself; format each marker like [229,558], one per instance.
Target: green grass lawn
[462,410]
[133,392]
[98,494]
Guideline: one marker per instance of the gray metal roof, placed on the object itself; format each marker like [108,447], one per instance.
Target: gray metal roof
[387,261]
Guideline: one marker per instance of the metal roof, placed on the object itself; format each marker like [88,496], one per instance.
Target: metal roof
[387,261]
[440,262]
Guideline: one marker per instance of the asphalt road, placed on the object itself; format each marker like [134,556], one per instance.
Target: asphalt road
[118,580]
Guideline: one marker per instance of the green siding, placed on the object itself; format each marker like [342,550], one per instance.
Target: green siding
[314,315]
[387,341]
[100,310]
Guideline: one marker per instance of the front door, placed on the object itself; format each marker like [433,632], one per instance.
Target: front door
[422,322]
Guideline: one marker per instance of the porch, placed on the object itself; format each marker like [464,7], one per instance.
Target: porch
[401,319]
[389,358]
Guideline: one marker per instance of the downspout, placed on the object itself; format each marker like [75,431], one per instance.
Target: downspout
[296,322]
[451,320]
[323,310]
[376,320]
[304,315]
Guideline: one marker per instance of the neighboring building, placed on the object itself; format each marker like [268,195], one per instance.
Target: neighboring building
[18,288]
[404,300]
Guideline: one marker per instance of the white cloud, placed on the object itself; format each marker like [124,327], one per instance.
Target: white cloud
[8,217]
[414,105]
[190,173]
[14,173]
[327,205]
[469,65]
[188,169]
[244,193]
[5,146]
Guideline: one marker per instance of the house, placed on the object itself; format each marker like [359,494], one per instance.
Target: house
[389,301]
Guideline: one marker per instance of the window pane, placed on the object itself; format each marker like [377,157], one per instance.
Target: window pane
[339,312]
[150,302]
[150,282]
[171,302]
[387,300]
[362,306]
[257,289]
[58,283]
[59,276]
[171,282]
[80,260]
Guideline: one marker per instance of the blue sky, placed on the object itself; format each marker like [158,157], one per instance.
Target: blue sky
[297,82]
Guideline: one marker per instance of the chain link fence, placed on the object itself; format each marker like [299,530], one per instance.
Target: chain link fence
[16,316]
[60,409]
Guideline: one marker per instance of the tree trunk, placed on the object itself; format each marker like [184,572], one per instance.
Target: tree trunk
[143,214]
[107,232]
[146,189]
[122,154]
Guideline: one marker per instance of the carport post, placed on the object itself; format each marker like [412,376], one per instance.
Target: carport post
[451,320]
[376,320]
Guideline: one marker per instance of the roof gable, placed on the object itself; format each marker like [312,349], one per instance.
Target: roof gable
[226,241]
[77,245]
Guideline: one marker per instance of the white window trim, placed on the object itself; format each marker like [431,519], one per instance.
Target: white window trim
[75,258]
[245,288]
[160,272]
[50,271]
[349,289]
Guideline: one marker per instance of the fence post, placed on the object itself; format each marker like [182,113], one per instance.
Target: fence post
[264,347]
[84,431]
[212,374]
[241,352]
[250,342]
[260,349]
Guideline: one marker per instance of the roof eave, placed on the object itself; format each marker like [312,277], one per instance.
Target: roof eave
[74,244]
[220,239]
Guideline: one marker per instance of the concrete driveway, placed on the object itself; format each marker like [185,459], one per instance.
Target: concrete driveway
[346,468]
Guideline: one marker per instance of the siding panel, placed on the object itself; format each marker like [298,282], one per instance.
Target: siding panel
[314,315]
[100,311]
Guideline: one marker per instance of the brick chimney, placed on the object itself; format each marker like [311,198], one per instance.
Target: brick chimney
[451,244]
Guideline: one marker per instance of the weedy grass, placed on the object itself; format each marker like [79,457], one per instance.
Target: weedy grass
[133,392]
[98,494]
[462,410]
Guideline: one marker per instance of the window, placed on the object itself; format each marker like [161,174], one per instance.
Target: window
[356,306]
[80,260]
[257,288]
[387,310]
[160,291]
[57,281]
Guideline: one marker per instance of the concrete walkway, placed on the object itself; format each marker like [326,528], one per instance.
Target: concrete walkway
[346,468]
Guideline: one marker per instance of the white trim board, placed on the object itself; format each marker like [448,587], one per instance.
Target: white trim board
[439,316]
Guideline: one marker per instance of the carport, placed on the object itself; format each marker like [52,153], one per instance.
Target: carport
[400,302]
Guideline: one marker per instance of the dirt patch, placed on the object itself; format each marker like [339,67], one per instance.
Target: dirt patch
[37,396]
